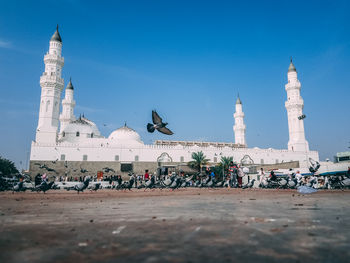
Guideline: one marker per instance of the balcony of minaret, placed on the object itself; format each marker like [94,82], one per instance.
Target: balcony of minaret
[53,59]
[51,79]
[296,103]
[294,85]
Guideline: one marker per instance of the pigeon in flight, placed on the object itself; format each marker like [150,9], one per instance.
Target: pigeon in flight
[158,124]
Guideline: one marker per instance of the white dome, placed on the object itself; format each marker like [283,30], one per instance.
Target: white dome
[125,135]
[80,129]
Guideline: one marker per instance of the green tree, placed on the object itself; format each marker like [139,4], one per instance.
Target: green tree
[7,167]
[225,162]
[198,160]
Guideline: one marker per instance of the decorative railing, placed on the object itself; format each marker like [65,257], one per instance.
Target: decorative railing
[47,78]
[54,58]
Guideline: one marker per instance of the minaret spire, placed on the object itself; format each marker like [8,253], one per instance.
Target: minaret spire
[238,101]
[291,66]
[56,36]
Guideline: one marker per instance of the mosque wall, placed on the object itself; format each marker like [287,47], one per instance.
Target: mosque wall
[150,153]
[147,156]
[75,168]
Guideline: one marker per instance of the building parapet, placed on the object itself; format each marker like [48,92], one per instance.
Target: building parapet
[200,144]
[189,147]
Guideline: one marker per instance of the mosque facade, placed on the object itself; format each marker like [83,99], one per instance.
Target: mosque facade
[68,144]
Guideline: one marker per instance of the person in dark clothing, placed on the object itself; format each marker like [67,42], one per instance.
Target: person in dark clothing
[37,179]
[273,176]
[119,180]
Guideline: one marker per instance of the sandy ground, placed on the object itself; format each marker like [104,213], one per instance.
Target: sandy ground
[187,225]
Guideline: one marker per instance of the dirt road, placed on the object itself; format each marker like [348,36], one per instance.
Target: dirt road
[189,225]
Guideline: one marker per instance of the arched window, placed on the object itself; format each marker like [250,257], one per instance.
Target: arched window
[136,158]
[63,134]
[47,105]
[116,158]
[215,159]
[182,159]
[92,135]
[77,134]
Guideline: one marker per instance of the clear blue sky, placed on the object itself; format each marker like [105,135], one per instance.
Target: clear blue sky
[188,60]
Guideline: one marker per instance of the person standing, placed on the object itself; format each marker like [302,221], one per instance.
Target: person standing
[146,176]
[240,175]
[261,175]
[44,178]
[299,177]
[212,175]
[119,180]
[233,174]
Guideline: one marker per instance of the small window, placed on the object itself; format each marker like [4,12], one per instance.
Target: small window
[85,157]
[116,158]
[126,167]
[63,134]
[77,134]
[215,159]
[92,135]
[276,160]
[136,158]
[63,157]
[344,158]
[182,159]
[261,161]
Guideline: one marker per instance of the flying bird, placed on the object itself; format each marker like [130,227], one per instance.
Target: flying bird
[82,170]
[41,166]
[158,124]
[107,170]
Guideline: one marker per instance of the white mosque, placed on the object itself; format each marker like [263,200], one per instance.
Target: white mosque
[69,144]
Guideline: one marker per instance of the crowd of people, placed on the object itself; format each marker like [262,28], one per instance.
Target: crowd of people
[233,174]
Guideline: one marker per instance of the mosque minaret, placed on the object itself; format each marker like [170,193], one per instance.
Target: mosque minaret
[239,127]
[52,85]
[294,106]
[67,144]
[68,104]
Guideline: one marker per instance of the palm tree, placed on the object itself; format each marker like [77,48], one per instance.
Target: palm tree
[7,167]
[198,160]
[225,162]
